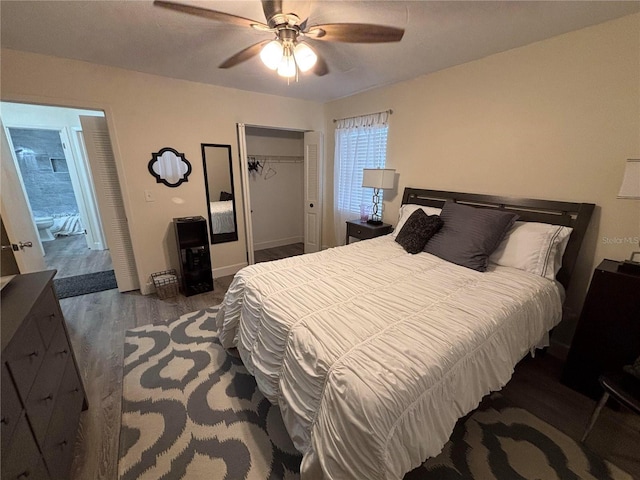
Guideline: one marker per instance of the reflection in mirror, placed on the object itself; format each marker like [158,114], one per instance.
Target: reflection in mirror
[221,204]
[169,167]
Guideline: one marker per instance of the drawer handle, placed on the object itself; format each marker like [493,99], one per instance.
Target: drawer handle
[5,420]
[24,474]
[359,231]
[47,398]
[35,353]
[52,316]
[75,390]
[63,352]
[63,443]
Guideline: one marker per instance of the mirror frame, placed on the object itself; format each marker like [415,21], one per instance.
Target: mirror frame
[155,159]
[227,236]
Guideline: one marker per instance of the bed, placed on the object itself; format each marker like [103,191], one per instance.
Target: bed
[373,354]
[222,218]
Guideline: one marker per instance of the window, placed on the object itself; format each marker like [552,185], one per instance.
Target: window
[361,142]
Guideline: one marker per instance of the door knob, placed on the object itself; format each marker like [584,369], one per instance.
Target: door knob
[25,244]
[311,205]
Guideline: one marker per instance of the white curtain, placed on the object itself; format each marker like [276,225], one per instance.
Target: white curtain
[361,142]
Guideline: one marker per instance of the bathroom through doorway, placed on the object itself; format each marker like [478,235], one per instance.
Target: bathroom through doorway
[50,156]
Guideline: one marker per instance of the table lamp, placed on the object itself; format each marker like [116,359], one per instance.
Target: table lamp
[630,189]
[378,179]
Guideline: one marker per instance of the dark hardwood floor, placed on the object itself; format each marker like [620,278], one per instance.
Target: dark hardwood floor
[269,254]
[70,256]
[97,324]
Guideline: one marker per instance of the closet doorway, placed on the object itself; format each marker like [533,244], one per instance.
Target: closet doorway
[275,165]
[312,198]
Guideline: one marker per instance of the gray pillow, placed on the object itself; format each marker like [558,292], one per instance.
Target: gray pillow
[417,230]
[469,235]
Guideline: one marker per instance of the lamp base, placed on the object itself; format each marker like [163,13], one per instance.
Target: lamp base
[374,222]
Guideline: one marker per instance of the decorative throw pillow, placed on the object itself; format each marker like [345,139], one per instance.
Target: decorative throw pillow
[469,235]
[417,231]
[407,209]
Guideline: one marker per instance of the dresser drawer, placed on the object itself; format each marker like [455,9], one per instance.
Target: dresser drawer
[60,440]
[11,408]
[21,460]
[47,315]
[356,231]
[24,356]
[44,394]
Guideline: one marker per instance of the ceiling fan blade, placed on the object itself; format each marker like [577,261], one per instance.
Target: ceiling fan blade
[355,33]
[243,55]
[210,14]
[320,68]
[271,8]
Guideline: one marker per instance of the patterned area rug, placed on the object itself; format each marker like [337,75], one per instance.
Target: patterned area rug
[82,284]
[191,410]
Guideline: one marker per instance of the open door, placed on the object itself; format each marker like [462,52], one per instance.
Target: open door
[110,202]
[246,197]
[313,168]
[16,214]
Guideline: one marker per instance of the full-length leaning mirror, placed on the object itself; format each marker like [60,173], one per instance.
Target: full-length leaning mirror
[221,203]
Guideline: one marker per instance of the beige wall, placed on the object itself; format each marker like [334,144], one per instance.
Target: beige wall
[146,113]
[556,119]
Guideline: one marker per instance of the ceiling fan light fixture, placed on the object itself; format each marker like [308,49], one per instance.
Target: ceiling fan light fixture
[287,67]
[272,54]
[305,57]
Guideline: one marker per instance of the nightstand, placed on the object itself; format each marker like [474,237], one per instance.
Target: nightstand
[365,231]
[608,332]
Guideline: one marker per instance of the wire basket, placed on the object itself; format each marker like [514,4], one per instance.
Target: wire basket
[166,283]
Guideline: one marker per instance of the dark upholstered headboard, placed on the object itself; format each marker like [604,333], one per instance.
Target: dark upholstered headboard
[568,214]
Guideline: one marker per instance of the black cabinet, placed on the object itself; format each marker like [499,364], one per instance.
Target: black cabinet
[192,239]
[608,332]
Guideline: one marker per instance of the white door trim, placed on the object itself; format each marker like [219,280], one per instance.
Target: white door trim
[246,194]
[244,176]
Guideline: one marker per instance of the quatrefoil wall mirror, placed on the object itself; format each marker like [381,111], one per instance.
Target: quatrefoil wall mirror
[169,167]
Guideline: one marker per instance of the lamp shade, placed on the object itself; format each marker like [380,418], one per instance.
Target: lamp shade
[305,57]
[378,178]
[630,187]
[271,54]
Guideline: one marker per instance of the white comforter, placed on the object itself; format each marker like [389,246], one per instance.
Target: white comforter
[222,218]
[372,354]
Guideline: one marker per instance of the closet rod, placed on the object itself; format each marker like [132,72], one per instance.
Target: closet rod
[390,112]
[277,158]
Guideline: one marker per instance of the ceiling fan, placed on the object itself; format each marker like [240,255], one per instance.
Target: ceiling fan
[289,53]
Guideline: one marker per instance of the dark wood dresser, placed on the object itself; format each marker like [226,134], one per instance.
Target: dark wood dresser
[608,332]
[42,393]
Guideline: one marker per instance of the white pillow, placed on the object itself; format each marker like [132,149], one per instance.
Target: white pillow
[533,247]
[406,211]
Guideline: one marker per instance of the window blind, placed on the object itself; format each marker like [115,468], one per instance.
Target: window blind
[359,148]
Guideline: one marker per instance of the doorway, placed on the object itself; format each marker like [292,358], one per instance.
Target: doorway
[53,168]
[276,187]
[261,154]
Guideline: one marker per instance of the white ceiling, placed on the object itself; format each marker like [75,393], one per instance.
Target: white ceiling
[137,36]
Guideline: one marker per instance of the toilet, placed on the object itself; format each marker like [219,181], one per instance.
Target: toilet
[44,224]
